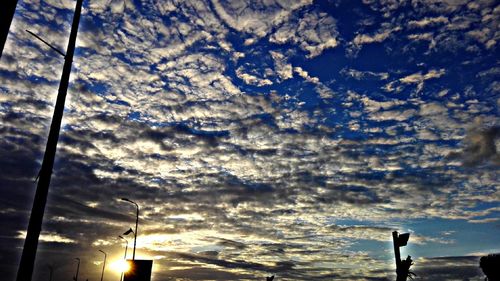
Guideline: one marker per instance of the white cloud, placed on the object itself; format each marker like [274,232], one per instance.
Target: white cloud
[251,79]
[282,67]
[381,36]
[416,78]
[50,237]
[426,22]
[256,18]
[313,33]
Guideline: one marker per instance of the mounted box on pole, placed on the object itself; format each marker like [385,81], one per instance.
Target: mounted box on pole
[139,270]
[25,270]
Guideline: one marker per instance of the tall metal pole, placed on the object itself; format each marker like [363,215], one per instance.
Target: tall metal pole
[397,255]
[77,269]
[25,270]
[104,265]
[136,223]
[7,11]
[135,232]
[125,255]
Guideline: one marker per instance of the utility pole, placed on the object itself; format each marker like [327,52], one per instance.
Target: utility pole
[25,270]
[7,11]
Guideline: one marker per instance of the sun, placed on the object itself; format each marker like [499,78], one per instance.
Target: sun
[120,266]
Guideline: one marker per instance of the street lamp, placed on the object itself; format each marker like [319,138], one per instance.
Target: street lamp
[77,269]
[136,223]
[28,256]
[402,266]
[128,231]
[124,256]
[104,265]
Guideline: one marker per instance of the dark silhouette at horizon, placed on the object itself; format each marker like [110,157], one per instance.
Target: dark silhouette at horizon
[490,265]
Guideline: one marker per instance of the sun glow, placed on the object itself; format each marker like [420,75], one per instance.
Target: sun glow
[120,266]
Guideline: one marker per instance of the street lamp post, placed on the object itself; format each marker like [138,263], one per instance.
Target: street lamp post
[125,255]
[77,269]
[104,265]
[402,266]
[126,246]
[136,223]
[27,262]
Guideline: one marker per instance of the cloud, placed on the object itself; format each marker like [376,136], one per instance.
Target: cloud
[397,115]
[362,39]
[49,237]
[256,19]
[362,75]
[481,146]
[448,268]
[426,22]
[416,78]
[313,33]
[282,67]
[251,79]
[304,74]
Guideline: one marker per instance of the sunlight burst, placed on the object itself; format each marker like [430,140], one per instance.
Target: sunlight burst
[120,266]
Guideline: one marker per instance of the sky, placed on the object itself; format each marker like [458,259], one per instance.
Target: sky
[285,137]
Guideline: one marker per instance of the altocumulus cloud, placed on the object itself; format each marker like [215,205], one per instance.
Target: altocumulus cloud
[248,154]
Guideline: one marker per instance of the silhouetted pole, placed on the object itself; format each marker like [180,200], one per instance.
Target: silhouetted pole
[7,11]
[136,223]
[25,269]
[397,255]
[104,265]
[77,269]
[125,255]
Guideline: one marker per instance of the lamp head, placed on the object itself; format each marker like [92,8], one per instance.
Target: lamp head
[402,239]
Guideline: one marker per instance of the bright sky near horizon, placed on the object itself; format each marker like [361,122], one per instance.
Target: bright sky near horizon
[285,137]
